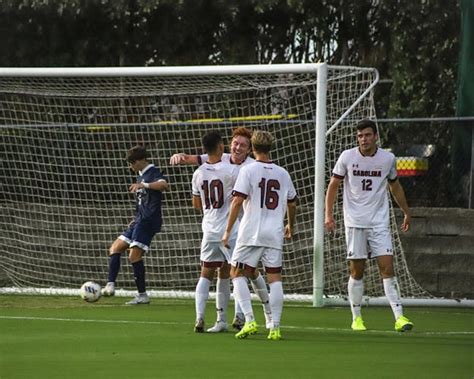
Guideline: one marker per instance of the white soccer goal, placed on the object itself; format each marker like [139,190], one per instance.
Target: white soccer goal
[64,135]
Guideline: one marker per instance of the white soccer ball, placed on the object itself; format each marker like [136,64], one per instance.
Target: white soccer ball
[90,291]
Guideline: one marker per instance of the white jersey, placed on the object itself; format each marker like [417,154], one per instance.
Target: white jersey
[266,188]
[365,187]
[213,183]
[226,157]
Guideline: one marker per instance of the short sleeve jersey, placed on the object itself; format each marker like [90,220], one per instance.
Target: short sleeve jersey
[148,201]
[226,157]
[365,197]
[267,188]
[213,183]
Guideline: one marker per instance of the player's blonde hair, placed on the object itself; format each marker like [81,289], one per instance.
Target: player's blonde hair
[262,141]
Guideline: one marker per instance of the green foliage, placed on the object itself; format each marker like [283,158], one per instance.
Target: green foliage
[425,38]
[414,44]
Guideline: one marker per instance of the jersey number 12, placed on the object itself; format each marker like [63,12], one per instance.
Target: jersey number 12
[366,184]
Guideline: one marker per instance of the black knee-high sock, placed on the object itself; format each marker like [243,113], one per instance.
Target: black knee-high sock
[114,266]
[139,275]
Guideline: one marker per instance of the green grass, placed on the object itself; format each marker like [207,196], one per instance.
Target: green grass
[63,337]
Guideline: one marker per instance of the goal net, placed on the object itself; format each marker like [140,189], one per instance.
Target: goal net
[64,136]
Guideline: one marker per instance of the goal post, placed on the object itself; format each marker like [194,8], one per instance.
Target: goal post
[64,199]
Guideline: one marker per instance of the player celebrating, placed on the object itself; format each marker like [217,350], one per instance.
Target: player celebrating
[148,188]
[212,192]
[365,170]
[239,156]
[266,193]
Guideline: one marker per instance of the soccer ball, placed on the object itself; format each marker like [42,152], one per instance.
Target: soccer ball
[90,291]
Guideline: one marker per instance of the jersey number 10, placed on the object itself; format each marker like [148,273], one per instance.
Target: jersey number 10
[213,193]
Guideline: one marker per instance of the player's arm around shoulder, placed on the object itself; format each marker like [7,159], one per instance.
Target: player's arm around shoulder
[184,159]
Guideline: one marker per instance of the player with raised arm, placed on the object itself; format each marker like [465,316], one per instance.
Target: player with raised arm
[366,170]
[240,148]
[148,189]
[266,193]
[212,193]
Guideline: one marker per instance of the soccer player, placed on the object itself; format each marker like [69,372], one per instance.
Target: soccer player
[365,170]
[266,193]
[212,193]
[148,189]
[240,148]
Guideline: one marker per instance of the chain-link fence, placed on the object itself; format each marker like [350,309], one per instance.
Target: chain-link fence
[434,160]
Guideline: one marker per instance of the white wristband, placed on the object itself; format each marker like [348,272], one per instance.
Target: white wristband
[146,185]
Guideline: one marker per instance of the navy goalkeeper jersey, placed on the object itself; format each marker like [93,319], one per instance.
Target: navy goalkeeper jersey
[148,201]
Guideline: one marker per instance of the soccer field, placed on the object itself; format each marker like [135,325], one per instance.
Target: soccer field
[64,337]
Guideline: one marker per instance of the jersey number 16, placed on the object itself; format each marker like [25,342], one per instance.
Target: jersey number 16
[268,193]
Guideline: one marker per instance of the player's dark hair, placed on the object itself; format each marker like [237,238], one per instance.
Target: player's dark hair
[211,141]
[363,124]
[137,153]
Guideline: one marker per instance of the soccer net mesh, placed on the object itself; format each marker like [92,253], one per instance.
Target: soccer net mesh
[64,178]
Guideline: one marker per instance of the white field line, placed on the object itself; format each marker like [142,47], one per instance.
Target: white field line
[135,322]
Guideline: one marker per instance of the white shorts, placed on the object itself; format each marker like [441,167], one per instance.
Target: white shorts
[215,251]
[363,243]
[251,255]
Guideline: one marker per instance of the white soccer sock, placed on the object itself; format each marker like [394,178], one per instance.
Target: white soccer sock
[276,302]
[390,286]
[238,311]
[260,288]
[222,298]
[202,294]
[242,295]
[355,288]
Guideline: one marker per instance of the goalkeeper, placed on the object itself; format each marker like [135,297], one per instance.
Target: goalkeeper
[148,189]
[366,170]
[240,148]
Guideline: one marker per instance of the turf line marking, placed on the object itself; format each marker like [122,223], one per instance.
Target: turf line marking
[91,320]
[315,328]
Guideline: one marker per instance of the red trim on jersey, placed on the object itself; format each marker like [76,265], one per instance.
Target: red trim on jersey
[393,180]
[240,194]
[214,162]
[338,176]
[371,155]
[292,200]
[199,160]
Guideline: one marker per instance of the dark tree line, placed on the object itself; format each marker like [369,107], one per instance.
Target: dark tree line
[414,44]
